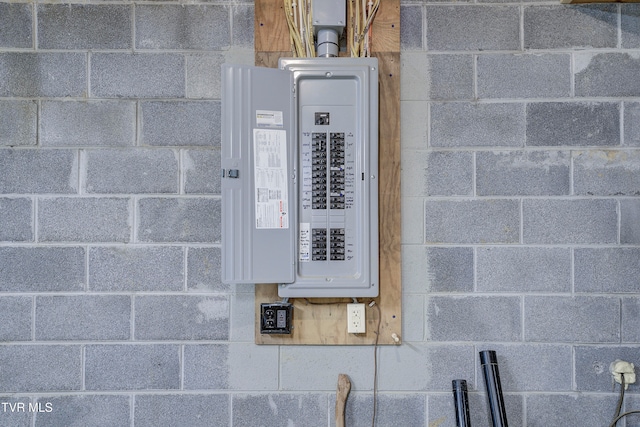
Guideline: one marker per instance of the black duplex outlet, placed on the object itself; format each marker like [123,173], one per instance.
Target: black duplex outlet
[276,318]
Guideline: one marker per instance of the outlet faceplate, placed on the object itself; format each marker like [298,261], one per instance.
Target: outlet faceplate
[356,323]
[276,318]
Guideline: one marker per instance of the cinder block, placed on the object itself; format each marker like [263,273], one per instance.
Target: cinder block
[307,409]
[565,410]
[243,316]
[84,410]
[630,221]
[16,419]
[442,410]
[15,319]
[124,75]
[465,221]
[578,319]
[570,221]
[518,269]
[564,26]
[24,74]
[242,16]
[201,171]
[632,124]
[203,270]
[18,122]
[426,269]
[473,318]
[83,317]
[592,365]
[522,173]
[630,13]
[606,173]
[136,269]
[412,220]
[40,368]
[230,367]
[84,220]
[88,123]
[203,27]
[84,26]
[631,320]
[132,171]
[132,367]
[15,21]
[203,75]
[179,220]
[607,270]
[531,367]
[193,410]
[17,219]
[412,317]
[180,123]
[573,123]
[537,75]
[42,269]
[414,172]
[182,318]
[606,74]
[391,409]
[414,86]
[414,125]
[450,77]
[410,27]
[473,27]
[38,171]
[449,173]
[475,125]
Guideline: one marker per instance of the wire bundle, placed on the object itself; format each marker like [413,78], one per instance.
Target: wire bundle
[361,15]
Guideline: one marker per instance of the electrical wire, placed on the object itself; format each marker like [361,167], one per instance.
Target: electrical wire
[618,416]
[375,365]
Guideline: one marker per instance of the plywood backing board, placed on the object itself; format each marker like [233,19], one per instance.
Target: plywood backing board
[324,321]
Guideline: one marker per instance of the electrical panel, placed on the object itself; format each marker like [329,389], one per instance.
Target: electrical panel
[300,184]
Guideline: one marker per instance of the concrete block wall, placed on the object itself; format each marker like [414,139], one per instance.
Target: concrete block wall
[521,220]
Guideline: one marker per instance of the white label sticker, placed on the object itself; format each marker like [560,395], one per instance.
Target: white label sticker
[305,241]
[269,119]
[270,178]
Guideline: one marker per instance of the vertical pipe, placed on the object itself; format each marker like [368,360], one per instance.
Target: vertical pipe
[461,401]
[489,363]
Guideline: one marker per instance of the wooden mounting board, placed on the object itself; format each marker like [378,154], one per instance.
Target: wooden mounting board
[324,321]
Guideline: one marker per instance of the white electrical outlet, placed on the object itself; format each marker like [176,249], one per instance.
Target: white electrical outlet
[356,323]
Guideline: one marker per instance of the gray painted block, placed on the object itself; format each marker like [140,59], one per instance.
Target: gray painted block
[450,77]
[42,269]
[563,26]
[410,27]
[466,221]
[429,362]
[414,125]
[531,367]
[414,67]
[242,366]
[16,418]
[242,316]
[475,125]
[16,225]
[630,14]
[132,171]
[413,176]
[473,318]
[38,171]
[631,124]
[606,173]
[18,122]
[88,123]
[84,410]
[518,269]
[592,365]
[412,317]
[132,367]
[181,318]
[570,221]
[412,220]
[426,269]
[573,124]
[83,317]
[607,270]
[630,221]
[84,220]
[567,410]
[84,26]
[449,173]
[391,409]
[571,319]
[203,270]
[40,368]
[25,74]
[201,171]
[203,27]
[203,75]
[15,319]
[180,123]
[191,410]
[179,220]
[524,75]
[473,27]
[442,411]
[292,410]
[630,319]
[136,269]
[522,173]
[606,74]
[124,75]
[242,16]
[15,21]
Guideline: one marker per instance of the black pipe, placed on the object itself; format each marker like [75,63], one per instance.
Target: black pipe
[461,401]
[489,363]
